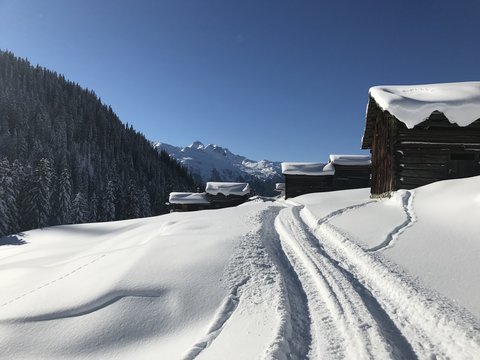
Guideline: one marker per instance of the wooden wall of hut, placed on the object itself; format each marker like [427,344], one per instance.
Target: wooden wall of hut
[296,185]
[351,177]
[434,150]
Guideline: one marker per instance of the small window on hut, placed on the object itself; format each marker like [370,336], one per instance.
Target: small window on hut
[462,156]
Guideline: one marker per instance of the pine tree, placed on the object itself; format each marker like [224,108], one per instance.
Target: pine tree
[40,193]
[145,205]
[93,216]
[79,209]
[108,204]
[133,201]
[8,199]
[63,198]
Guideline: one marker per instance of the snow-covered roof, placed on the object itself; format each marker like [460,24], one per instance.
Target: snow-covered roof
[350,160]
[307,168]
[187,198]
[459,102]
[280,186]
[227,188]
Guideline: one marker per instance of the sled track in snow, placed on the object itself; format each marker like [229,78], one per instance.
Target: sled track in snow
[347,321]
[414,321]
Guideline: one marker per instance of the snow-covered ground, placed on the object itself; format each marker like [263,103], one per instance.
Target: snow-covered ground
[331,275]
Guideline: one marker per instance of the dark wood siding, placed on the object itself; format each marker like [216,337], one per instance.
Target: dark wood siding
[383,141]
[296,185]
[351,177]
[434,150]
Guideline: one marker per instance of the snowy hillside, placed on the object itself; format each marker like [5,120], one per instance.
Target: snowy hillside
[215,163]
[331,275]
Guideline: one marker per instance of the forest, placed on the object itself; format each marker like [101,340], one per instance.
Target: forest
[66,158]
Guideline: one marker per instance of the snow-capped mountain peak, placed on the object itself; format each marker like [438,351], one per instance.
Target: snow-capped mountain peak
[216,163]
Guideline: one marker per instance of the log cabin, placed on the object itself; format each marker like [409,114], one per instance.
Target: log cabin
[421,134]
[351,171]
[186,201]
[307,177]
[226,194]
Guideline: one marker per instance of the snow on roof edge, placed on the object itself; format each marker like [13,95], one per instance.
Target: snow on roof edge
[413,104]
[307,168]
[351,160]
[227,188]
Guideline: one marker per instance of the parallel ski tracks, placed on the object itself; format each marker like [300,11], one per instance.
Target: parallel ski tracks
[343,326]
[363,308]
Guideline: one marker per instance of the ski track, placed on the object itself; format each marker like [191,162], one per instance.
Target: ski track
[431,326]
[407,205]
[224,313]
[346,321]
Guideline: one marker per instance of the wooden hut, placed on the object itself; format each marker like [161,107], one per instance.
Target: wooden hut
[305,178]
[351,171]
[186,201]
[421,134]
[225,194]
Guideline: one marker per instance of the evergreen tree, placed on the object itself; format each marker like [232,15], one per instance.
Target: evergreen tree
[43,116]
[145,205]
[39,194]
[8,199]
[79,209]
[93,208]
[63,198]
[108,204]
[133,201]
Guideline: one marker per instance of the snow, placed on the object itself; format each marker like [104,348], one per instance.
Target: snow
[227,188]
[329,275]
[203,160]
[187,198]
[355,160]
[307,168]
[459,102]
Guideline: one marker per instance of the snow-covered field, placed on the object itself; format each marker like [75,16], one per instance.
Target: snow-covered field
[330,275]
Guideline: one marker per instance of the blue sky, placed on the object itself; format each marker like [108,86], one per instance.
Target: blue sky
[278,80]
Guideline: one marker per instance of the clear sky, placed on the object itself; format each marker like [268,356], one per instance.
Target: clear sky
[278,80]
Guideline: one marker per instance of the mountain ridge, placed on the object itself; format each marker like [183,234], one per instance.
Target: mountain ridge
[212,162]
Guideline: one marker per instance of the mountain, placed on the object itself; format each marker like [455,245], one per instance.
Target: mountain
[215,163]
[67,158]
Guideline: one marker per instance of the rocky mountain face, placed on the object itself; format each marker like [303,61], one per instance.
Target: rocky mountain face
[215,163]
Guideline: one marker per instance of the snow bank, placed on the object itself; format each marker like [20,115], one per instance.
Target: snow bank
[460,102]
[355,160]
[187,198]
[227,188]
[307,168]
[432,232]
[135,289]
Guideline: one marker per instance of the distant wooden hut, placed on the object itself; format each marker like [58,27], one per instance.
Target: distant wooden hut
[421,134]
[351,171]
[186,201]
[226,194]
[305,178]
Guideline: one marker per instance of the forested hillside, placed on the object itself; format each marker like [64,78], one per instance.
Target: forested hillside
[67,158]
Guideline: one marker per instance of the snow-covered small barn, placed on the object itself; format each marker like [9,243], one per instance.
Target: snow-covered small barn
[421,134]
[187,201]
[224,194]
[307,177]
[351,171]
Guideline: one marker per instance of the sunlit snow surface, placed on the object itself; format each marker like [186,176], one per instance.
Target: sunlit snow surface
[331,275]
[460,102]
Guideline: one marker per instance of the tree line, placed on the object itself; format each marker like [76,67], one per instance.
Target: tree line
[67,158]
